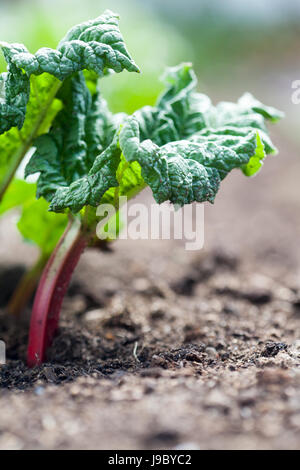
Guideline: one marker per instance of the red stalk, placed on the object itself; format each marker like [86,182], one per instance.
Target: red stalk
[51,290]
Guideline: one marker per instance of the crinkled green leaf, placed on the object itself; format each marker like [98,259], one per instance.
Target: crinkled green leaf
[247,113]
[90,189]
[61,156]
[231,136]
[110,171]
[182,148]
[95,45]
[186,171]
[240,118]
[129,182]
[248,101]
[70,174]
[207,142]
[14,96]
[41,109]
[179,112]
[29,88]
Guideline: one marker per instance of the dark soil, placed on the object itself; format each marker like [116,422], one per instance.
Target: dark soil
[150,366]
[163,348]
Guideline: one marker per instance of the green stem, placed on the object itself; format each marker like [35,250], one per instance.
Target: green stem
[26,287]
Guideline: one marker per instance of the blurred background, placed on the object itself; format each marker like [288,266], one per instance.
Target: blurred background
[235,46]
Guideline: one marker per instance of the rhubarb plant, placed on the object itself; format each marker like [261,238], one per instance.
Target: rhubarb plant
[181,148]
[29,101]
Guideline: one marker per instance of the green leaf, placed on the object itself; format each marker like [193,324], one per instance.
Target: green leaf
[186,171]
[256,161]
[89,189]
[180,107]
[39,226]
[95,45]
[70,174]
[14,96]
[182,148]
[36,224]
[179,111]
[41,110]
[204,142]
[247,113]
[29,88]
[233,137]
[61,156]
[19,194]
[247,101]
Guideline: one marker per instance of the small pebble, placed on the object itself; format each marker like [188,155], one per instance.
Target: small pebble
[94,315]
[39,391]
[211,352]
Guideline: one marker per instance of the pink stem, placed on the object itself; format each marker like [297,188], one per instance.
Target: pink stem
[51,290]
